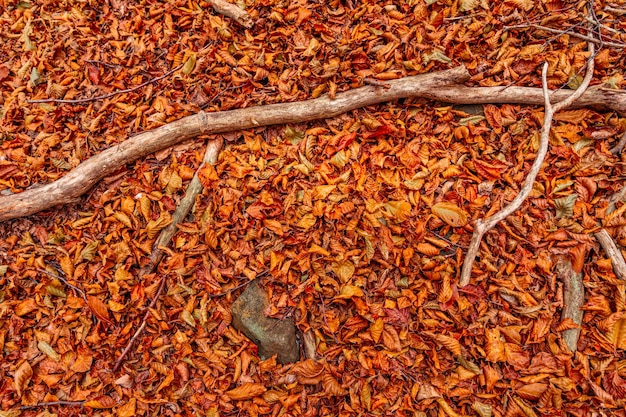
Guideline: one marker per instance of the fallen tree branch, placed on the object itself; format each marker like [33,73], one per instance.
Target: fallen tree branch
[483,226]
[442,86]
[233,11]
[193,189]
[573,300]
[611,249]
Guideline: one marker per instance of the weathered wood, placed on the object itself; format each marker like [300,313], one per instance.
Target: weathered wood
[442,86]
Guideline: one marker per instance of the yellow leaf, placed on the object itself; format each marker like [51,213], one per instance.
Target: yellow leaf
[322,191]
[344,270]
[376,329]
[190,64]
[307,221]
[123,218]
[319,250]
[128,409]
[400,210]
[349,291]
[450,213]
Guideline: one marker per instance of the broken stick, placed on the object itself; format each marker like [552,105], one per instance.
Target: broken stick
[233,11]
[193,190]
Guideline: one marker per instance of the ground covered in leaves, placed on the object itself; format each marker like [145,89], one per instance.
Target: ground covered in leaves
[355,225]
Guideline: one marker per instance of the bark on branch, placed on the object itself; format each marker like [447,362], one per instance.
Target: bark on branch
[443,86]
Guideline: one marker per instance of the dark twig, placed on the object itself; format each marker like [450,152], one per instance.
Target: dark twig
[141,328]
[568,32]
[105,96]
[64,281]
[52,403]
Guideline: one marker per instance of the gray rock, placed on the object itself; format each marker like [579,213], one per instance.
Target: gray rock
[272,336]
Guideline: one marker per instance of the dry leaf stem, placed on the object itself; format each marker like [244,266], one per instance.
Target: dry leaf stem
[573,300]
[193,190]
[483,226]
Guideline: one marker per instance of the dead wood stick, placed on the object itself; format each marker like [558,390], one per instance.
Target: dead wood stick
[233,11]
[193,189]
[483,226]
[88,173]
[573,300]
[443,86]
[611,249]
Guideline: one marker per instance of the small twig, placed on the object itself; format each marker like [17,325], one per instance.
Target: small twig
[97,62]
[64,281]
[324,315]
[620,145]
[233,11]
[567,32]
[605,27]
[141,328]
[611,249]
[105,96]
[483,226]
[52,403]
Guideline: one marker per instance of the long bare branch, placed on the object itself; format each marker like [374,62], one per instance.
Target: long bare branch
[442,86]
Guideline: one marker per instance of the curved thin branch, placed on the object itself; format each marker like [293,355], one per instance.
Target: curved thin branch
[483,226]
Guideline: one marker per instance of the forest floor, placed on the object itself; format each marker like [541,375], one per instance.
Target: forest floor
[340,219]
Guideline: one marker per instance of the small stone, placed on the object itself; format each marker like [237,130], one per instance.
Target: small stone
[272,336]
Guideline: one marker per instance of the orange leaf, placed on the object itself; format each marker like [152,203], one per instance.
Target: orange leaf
[427,249]
[376,329]
[349,291]
[494,346]
[101,402]
[98,308]
[25,307]
[274,226]
[246,391]
[22,377]
[128,409]
[450,213]
[344,270]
